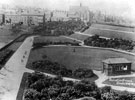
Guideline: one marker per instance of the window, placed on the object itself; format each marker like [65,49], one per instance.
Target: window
[117,68]
[125,67]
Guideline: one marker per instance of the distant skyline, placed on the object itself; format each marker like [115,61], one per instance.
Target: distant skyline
[124,8]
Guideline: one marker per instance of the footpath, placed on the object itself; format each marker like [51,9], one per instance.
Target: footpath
[11,74]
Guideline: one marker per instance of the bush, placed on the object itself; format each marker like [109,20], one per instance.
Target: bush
[57,28]
[109,43]
[52,67]
[4,55]
[59,69]
[58,89]
[106,89]
[83,73]
[54,88]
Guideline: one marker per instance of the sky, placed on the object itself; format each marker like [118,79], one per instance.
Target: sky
[117,7]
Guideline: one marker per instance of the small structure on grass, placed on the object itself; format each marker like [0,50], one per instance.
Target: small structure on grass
[116,66]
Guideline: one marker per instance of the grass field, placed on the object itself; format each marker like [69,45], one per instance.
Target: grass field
[5,35]
[82,57]
[15,46]
[79,36]
[101,30]
[113,27]
[23,86]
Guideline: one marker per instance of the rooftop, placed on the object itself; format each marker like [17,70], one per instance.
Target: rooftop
[116,60]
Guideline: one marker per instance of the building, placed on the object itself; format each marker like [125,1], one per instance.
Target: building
[27,19]
[116,66]
[73,16]
[26,15]
[81,12]
[12,18]
[48,15]
[59,15]
[32,19]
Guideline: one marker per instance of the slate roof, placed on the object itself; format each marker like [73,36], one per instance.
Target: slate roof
[116,60]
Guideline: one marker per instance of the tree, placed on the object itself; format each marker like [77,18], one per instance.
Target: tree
[44,92]
[80,86]
[32,94]
[53,92]
[44,56]
[106,89]
[38,85]
[16,28]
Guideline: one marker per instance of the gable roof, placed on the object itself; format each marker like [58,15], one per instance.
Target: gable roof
[116,60]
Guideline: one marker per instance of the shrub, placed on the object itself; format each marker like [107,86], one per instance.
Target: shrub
[109,43]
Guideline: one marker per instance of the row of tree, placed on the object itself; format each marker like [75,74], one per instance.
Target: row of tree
[59,69]
[41,87]
[40,44]
[4,55]
[59,27]
[116,43]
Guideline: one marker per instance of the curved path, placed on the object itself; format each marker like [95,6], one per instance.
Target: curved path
[83,45]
